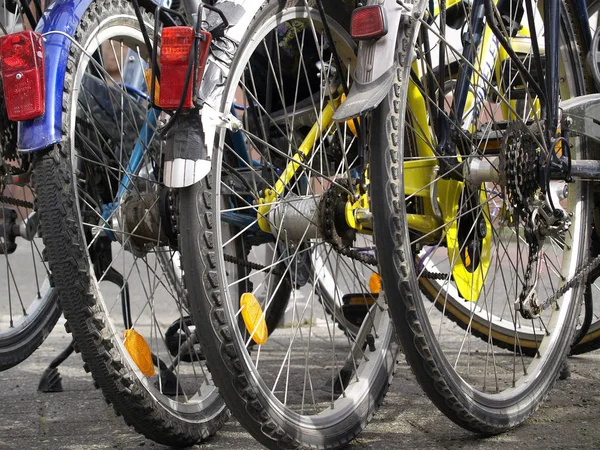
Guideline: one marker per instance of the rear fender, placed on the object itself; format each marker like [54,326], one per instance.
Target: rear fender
[57,25]
[189,151]
[374,74]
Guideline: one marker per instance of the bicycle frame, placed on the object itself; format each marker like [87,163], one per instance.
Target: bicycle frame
[440,199]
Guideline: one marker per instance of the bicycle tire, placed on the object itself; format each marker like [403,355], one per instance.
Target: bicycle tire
[270,407]
[24,323]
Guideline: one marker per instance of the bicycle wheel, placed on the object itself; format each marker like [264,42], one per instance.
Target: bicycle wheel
[29,308]
[28,305]
[495,327]
[476,249]
[305,383]
[112,244]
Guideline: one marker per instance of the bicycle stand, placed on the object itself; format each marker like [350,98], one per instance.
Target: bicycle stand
[51,381]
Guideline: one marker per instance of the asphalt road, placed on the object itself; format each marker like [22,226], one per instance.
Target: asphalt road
[78,418]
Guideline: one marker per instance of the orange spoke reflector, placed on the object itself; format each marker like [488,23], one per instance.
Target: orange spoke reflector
[467,258]
[139,351]
[375,283]
[254,318]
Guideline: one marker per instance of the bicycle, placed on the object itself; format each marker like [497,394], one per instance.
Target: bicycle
[107,217]
[427,233]
[265,216]
[478,190]
[104,198]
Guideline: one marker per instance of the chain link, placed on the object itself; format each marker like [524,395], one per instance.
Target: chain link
[436,275]
[248,264]
[16,202]
[582,274]
[521,185]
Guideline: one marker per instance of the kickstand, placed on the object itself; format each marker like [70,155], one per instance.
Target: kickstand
[51,381]
[565,371]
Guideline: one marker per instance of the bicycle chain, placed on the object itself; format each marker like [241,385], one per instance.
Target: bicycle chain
[248,264]
[16,202]
[331,235]
[582,274]
[521,187]
[435,275]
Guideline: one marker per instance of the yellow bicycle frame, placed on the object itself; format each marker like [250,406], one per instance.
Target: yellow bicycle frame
[440,198]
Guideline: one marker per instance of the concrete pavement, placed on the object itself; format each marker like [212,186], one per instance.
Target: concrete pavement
[78,418]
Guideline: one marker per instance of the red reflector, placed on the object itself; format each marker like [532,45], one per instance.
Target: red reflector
[176,45]
[22,64]
[368,22]
[175,54]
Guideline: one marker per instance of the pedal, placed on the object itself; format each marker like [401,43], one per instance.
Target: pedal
[355,307]
[181,342]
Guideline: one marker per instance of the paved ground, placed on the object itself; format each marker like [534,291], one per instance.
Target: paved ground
[78,418]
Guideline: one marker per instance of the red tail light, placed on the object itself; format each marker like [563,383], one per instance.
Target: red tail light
[175,53]
[368,22]
[22,64]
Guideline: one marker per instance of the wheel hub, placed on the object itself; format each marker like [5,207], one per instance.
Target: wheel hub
[296,218]
[147,222]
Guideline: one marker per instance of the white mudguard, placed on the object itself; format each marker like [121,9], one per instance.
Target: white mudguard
[191,141]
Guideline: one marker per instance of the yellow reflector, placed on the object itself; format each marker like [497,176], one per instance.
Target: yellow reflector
[254,319]
[558,149]
[148,77]
[467,258]
[359,299]
[375,283]
[139,351]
